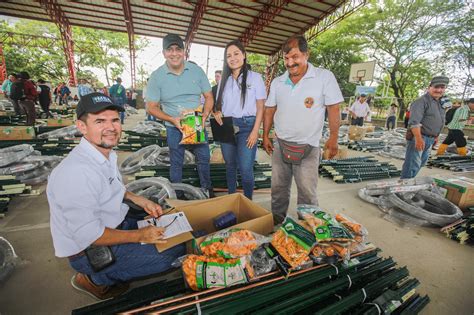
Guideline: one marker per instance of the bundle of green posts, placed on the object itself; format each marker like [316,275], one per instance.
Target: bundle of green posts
[367,145]
[462,230]
[357,169]
[454,163]
[262,174]
[134,141]
[365,284]
[58,147]
[9,187]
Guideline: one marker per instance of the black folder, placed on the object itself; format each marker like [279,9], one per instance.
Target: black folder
[225,132]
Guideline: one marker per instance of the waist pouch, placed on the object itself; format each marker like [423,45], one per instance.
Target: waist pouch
[409,135]
[293,152]
[100,257]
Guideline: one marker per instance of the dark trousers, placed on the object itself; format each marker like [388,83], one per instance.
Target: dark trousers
[359,121]
[45,107]
[391,122]
[455,135]
[16,107]
[29,108]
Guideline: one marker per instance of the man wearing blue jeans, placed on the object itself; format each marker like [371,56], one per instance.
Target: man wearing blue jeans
[85,194]
[176,86]
[427,118]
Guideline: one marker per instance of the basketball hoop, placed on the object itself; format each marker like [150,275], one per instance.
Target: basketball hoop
[361,72]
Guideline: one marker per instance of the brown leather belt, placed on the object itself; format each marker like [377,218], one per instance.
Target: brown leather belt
[81,253]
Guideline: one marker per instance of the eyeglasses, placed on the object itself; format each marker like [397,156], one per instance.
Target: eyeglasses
[439,86]
[153,220]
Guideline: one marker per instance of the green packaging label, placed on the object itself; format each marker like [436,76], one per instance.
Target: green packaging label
[298,233]
[212,274]
[192,120]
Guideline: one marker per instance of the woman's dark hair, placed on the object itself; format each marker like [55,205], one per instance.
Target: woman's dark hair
[228,72]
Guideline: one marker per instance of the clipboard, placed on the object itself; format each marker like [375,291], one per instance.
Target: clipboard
[224,133]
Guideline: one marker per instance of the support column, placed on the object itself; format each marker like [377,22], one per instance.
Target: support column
[3,65]
[272,68]
[58,16]
[127,12]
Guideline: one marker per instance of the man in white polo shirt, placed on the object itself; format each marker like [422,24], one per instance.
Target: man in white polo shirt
[296,105]
[87,211]
[359,110]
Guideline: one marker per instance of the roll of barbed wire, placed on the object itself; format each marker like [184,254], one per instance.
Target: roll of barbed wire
[140,185]
[130,110]
[437,210]
[8,259]
[190,192]
[149,127]
[14,154]
[163,158]
[133,163]
[19,168]
[66,132]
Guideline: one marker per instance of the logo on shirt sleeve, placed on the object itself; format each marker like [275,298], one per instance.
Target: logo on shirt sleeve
[309,102]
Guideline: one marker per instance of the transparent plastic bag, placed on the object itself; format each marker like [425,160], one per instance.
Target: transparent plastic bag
[203,272]
[293,242]
[324,226]
[231,243]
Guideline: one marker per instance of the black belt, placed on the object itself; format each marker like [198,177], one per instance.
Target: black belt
[80,254]
[428,136]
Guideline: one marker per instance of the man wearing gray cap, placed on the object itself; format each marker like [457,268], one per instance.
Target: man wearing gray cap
[427,117]
[90,223]
[176,86]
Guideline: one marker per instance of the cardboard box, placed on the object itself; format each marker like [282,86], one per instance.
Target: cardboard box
[61,122]
[356,133]
[200,214]
[460,190]
[17,133]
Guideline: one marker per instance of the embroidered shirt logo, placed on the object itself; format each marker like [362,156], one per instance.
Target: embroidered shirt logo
[309,102]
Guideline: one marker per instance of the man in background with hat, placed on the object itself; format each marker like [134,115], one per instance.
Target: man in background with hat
[175,86]
[359,110]
[86,194]
[427,117]
[118,95]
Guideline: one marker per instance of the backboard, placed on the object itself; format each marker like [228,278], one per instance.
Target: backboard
[363,71]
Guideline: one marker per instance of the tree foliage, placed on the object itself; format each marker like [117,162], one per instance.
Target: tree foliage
[401,35]
[92,49]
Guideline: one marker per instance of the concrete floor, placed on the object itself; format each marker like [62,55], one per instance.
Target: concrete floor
[41,282]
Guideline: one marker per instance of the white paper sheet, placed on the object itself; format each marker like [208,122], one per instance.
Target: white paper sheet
[175,224]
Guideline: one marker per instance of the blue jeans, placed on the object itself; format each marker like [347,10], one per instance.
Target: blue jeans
[391,122]
[415,160]
[120,101]
[239,155]
[201,152]
[132,260]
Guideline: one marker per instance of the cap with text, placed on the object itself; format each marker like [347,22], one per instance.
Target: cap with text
[94,103]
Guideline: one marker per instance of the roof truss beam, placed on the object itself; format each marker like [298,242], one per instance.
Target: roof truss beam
[263,19]
[199,10]
[127,12]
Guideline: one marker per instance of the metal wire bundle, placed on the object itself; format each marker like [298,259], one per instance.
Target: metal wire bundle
[27,164]
[414,201]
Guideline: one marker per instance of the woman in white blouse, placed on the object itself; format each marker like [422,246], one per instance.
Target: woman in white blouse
[241,95]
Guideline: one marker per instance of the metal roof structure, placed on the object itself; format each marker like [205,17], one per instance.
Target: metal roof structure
[262,25]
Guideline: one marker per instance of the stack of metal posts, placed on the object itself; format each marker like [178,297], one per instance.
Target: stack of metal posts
[455,163]
[462,230]
[357,169]
[134,141]
[367,145]
[368,284]
[262,174]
